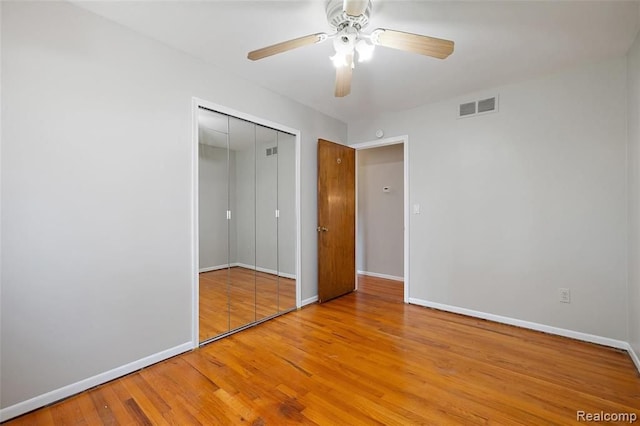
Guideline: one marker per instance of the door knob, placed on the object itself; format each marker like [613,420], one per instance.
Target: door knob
[322,228]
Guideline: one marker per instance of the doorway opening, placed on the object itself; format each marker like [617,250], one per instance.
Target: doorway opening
[382,219]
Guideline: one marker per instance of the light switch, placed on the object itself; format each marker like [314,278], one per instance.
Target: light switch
[416,209]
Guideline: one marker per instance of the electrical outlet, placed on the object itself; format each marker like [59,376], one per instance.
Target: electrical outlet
[565,295]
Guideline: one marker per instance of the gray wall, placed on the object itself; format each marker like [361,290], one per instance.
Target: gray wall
[96,192]
[243,218]
[380,244]
[258,185]
[519,203]
[266,202]
[212,205]
[633,97]
[286,203]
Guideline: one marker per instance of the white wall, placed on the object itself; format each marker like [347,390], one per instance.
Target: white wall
[519,203]
[243,218]
[212,205]
[286,203]
[96,192]
[266,203]
[258,185]
[380,235]
[633,96]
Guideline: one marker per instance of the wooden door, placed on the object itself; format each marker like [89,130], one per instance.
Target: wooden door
[336,220]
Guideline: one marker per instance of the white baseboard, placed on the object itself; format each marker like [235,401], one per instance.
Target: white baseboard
[265,270]
[244,265]
[308,301]
[619,344]
[213,268]
[634,356]
[74,388]
[377,275]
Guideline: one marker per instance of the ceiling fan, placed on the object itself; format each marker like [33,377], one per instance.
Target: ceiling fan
[349,18]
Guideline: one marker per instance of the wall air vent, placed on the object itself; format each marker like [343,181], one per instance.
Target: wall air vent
[487,105]
[467,109]
[482,106]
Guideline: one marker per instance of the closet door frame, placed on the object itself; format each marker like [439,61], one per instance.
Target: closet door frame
[195,285]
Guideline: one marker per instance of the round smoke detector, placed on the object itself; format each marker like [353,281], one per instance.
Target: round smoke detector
[338,19]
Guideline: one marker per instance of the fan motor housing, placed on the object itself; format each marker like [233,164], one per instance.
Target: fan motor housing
[338,18]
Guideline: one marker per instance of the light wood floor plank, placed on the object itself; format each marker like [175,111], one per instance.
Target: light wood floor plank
[366,358]
[232,298]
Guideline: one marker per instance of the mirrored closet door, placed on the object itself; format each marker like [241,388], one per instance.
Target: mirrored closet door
[247,223]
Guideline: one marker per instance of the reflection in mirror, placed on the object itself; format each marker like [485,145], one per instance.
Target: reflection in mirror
[287,221]
[246,222]
[242,241]
[213,228]
[266,222]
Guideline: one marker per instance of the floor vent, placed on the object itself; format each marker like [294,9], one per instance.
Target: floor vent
[483,106]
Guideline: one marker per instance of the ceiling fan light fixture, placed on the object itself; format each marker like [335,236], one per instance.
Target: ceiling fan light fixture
[345,40]
[339,60]
[375,36]
[365,50]
[349,18]
[344,44]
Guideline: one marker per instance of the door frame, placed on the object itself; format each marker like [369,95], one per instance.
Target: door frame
[394,140]
[195,243]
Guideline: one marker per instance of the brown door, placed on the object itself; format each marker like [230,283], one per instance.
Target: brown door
[336,220]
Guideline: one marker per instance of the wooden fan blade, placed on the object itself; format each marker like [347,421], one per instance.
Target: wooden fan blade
[355,7]
[343,78]
[429,46]
[286,45]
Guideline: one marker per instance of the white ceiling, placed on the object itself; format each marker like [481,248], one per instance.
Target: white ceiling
[496,43]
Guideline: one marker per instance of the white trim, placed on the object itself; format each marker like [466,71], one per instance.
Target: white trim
[377,275]
[265,270]
[394,140]
[298,272]
[247,266]
[195,104]
[212,268]
[592,338]
[406,218]
[75,388]
[309,301]
[357,234]
[403,139]
[244,116]
[634,356]
[195,231]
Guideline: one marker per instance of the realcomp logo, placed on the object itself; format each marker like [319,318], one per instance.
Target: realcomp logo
[583,416]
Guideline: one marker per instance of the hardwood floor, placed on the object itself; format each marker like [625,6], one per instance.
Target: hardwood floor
[366,358]
[232,298]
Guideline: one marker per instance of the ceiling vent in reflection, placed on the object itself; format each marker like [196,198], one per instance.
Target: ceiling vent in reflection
[272,151]
[479,107]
